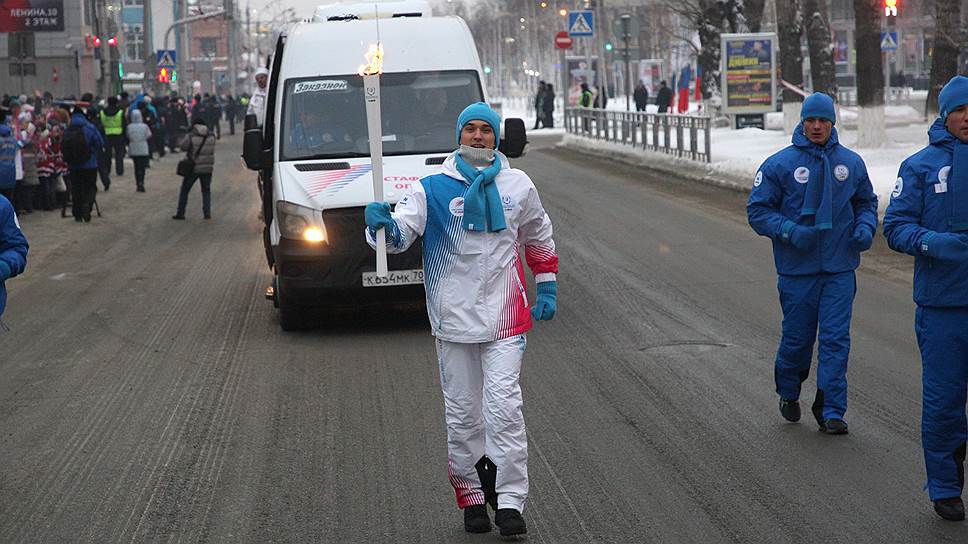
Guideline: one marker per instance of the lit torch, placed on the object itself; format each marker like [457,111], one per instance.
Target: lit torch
[371,86]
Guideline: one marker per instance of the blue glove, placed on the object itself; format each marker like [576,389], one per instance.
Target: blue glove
[378,216]
[802,238]
[546,305]
[5,271]
[862,239]
[945,246]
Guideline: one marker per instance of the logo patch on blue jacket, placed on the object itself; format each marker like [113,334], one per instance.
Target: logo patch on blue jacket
[943,173]
[801,174]
[457,207]
[898,187]
[758,180]
[841,172]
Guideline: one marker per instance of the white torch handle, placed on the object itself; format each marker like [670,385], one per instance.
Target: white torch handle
[371,89]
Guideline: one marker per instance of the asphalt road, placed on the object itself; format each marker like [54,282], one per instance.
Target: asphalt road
[148,395]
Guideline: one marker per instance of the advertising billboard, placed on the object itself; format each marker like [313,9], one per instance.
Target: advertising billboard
[31,15]
[749,72]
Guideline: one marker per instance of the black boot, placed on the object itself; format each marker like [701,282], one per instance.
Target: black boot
[950,509]
[833,426]
[476,519]
[790,410]
[510,522]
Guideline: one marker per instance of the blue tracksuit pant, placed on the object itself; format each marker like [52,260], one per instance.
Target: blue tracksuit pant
[943,339]
[809,302]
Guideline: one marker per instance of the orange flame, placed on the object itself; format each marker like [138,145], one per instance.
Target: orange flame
[374,60]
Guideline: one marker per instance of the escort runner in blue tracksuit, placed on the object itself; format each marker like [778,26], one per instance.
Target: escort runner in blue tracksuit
[815,201]
[928,218]
[13,249]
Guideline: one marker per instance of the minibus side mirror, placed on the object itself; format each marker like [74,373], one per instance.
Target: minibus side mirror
[514,138]
[252,143]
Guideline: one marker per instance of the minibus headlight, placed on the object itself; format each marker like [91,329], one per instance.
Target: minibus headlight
[300,222]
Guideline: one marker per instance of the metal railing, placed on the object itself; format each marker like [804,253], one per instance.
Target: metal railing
[684,136]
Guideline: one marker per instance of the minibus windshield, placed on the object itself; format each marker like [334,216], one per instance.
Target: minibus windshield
[324,117]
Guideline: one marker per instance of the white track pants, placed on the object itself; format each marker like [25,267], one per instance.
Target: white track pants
[482,404]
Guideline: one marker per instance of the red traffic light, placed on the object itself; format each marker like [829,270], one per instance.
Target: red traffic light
[890,8]
[97,41]
[113,40]
[164,76]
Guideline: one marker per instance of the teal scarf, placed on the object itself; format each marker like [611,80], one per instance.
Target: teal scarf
[482,202]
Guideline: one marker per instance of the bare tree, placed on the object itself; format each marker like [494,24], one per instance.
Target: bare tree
[821,46]
[789,22]
[944,58]
[754,14]
[711,18]
[870,77]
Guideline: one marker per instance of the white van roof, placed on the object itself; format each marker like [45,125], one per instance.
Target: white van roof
[409,44]
[384,9]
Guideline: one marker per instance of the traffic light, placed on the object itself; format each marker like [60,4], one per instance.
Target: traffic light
[609,46]
[890,8]
[164,75]
[487,69]
[113,40]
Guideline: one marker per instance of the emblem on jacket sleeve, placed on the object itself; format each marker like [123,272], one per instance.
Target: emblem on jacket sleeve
[801,174]
[457,207]
[841,172]
[898,187]
[758,180]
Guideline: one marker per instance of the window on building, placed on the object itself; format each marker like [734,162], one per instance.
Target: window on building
[134,44]
[26,68]
[208,47]
[20,44]
[134,3]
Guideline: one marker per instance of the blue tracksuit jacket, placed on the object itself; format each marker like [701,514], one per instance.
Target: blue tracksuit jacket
[918,207]
[778,193]
[13,246]
[8,156]
[94,139]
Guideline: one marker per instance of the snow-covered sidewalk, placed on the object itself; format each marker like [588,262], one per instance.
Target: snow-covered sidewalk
[736,155]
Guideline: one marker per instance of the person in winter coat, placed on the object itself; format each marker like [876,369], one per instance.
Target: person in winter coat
[178,125]
[13,249]
[31,180]
[139,141]
[113,120]
[539,97]
[472,218]
[641,97]
[200,146]
[815,201]
[663,97]
[230,113]
[83,172]
[49,166]
[8,158]
[257,102]
[548,106]
[928,218]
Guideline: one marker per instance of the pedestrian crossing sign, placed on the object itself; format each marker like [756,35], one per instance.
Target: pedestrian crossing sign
[166,58]
[581,23]
[888,41]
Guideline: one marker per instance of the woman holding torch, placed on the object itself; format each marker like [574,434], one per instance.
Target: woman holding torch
[473,218]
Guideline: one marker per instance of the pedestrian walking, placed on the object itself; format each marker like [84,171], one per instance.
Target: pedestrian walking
[663,97]
[539,97]
[815,200]
[139,142]
[199,147]
[113,120]
[178,124]
[548,106]
[13,249]
[27,185]
[641,96]
[928,218]
[585,101]
[230,112]
[472,218]
[80,146]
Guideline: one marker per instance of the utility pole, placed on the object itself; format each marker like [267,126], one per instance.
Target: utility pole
[149,44]
[233,46]
[101,30]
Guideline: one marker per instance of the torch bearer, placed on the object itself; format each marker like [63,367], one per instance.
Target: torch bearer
[371,94]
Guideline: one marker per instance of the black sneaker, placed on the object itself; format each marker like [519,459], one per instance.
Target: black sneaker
[950,509]
[510,522]
[833,426]
[790,409]
[476,519]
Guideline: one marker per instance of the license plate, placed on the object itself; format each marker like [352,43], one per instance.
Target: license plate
[394,277]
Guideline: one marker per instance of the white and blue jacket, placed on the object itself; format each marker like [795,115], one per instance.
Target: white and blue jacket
[475,280]
[778,194]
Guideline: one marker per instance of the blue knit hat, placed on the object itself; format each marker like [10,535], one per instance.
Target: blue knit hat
[479,111]
[953,94]
[819,106]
